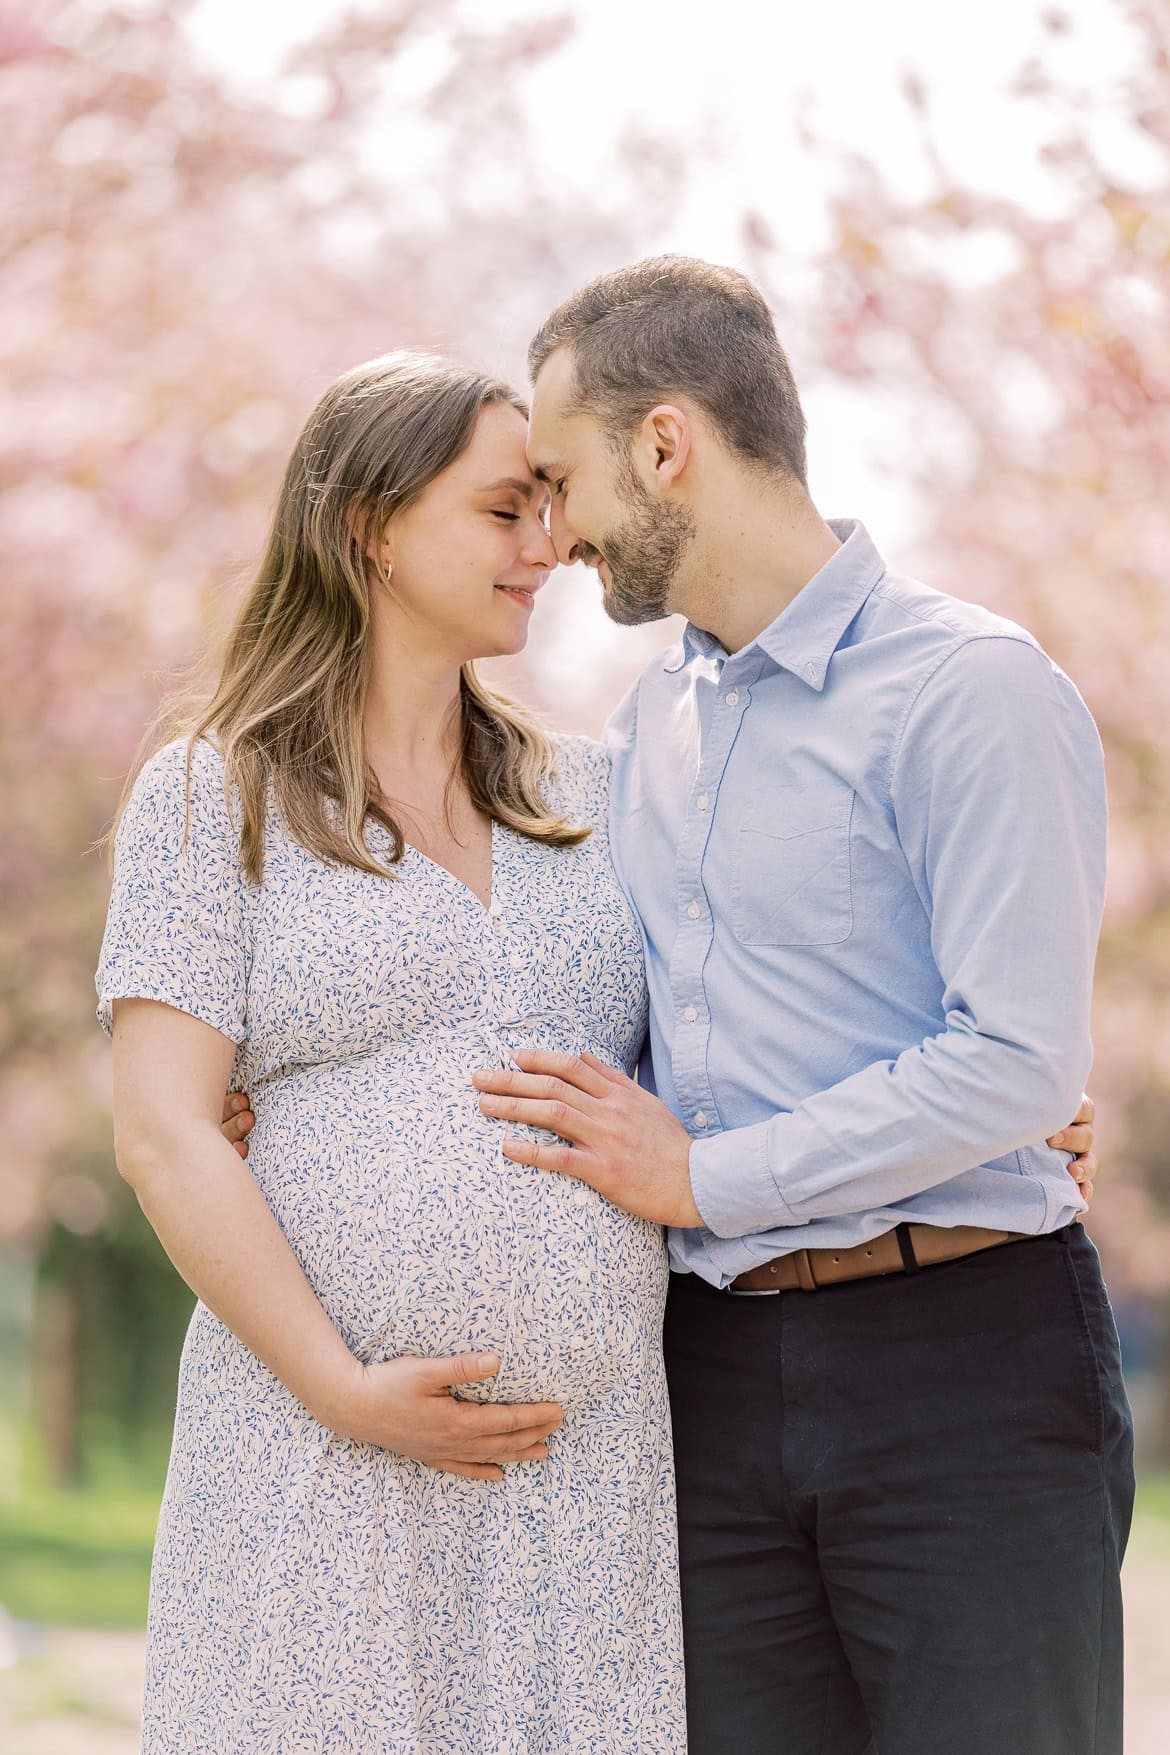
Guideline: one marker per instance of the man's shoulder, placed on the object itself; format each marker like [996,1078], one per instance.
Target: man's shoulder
[934,618]
[923,630]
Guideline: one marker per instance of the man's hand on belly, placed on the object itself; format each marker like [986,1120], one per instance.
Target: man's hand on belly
[621,1139]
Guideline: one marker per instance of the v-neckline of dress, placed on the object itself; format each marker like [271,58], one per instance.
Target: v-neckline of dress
[489,908]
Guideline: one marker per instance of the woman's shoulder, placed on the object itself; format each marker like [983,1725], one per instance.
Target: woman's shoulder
[576,754]
[169,763]
[181,788]
[580,776]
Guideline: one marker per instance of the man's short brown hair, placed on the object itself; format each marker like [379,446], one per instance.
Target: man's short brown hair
[674,326]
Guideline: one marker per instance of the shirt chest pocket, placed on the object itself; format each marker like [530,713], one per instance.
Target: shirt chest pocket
[791,880]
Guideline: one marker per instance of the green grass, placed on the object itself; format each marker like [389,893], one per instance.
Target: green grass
[1153,1497]
[79,1560]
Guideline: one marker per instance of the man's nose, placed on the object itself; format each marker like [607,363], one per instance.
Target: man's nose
[567,546]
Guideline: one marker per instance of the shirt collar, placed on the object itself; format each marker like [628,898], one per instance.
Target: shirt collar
[805,635]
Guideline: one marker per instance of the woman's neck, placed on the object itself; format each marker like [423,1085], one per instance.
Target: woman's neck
[411,720]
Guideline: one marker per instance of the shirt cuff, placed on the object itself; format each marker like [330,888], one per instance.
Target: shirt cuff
[733,1186]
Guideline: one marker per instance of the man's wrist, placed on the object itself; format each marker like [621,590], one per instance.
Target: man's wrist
[732,1184]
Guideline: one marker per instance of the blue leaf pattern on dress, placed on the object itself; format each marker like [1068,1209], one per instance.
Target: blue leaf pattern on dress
[309,1594]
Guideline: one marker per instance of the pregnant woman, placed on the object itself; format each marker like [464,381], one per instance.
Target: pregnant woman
[420,1495]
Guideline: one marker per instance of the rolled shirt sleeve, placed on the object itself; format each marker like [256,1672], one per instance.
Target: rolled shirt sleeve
[996,786]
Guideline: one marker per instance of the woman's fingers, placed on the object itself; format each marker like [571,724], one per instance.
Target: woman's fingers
[513,1448]
[473,1471]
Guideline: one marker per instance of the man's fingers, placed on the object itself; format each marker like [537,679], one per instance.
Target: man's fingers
[555,1117]
[610,1074]
[506,1083]
[241,1146]
[1075,1139]
[1086,1115]
[1083,1169]
[565,1159]
[577,1070]
[234,1103]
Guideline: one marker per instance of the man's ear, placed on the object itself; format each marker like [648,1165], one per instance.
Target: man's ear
[663,446]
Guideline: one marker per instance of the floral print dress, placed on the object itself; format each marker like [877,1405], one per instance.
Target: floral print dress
[310,1594]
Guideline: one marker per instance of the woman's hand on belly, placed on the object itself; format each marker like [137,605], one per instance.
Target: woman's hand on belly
[406,1405]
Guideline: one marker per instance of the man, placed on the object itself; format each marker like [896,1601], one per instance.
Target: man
[863,825]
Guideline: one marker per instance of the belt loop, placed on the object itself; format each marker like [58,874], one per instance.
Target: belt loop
[906,1245]
[805,1278]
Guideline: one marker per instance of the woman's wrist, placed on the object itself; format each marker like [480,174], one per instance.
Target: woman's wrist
[331,1388]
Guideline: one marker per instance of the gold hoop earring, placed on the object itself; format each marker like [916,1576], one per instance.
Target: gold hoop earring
[389,571]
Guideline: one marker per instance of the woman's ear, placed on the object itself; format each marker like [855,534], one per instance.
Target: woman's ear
[370,538]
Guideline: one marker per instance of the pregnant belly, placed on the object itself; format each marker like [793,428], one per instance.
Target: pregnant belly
[421,1238]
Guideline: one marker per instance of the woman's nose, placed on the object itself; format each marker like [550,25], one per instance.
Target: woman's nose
[539,550]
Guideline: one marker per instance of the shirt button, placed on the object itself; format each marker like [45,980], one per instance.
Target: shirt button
[694,910]
[702,801]
[700,1119]
[690,1014]
[732,697]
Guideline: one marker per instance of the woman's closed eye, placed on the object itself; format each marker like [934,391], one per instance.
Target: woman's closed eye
[512,517]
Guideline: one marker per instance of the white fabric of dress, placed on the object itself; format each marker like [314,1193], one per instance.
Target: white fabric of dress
[313,1596]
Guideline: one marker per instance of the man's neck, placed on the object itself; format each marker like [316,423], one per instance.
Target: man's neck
[760,548]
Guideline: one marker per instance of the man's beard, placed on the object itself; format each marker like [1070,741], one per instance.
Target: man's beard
[643,554]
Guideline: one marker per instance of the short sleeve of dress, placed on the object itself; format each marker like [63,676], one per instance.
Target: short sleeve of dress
[176,930]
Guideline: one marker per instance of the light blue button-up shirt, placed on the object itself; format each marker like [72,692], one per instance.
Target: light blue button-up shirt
[867,853]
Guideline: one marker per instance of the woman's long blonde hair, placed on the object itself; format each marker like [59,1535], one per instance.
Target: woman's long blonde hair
[287,711]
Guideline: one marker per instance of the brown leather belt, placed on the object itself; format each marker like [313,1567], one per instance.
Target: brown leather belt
[903,1250]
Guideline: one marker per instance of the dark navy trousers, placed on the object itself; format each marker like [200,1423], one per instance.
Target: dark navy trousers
[903,1505]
